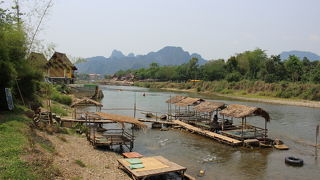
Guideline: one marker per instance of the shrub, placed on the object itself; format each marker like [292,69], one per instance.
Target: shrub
[233,77]
[61,98]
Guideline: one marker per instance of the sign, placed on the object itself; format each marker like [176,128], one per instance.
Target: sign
[9,98]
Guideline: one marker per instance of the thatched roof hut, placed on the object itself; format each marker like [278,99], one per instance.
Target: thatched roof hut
[60,60]
[189,101]
[37,60]
[209,106]
[86,102]
[175,99]
[120,119]
[242,111]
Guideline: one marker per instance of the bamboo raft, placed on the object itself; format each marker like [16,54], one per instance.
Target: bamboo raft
[216,136]
[155,165]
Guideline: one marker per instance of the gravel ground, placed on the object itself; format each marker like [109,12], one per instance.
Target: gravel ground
[99,164]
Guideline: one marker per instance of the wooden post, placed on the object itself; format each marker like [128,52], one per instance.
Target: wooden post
[222,122]
[316,145]
[265,130]
[134,106]
[242,129]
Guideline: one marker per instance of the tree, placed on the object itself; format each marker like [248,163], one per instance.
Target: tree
[232,64]
[294,68]
[214,70]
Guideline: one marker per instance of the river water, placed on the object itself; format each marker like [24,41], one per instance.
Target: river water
[294,125]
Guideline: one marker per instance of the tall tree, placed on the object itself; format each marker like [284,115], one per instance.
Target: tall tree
[294,68]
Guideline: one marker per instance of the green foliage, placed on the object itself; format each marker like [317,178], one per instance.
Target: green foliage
[294,68]
[12,142]
[61,98]
[233,77]
[15,70]
[57,109]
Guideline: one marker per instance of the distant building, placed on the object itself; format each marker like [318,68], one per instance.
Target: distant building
[60,69]
[94,76]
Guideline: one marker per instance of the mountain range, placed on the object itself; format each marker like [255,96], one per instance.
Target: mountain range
[300,54]
[168,55]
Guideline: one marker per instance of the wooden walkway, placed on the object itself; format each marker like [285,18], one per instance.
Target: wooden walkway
[70,119]
[216,136]
[157,121]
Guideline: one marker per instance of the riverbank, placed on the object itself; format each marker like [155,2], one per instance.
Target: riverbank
[29,153]
[256,96]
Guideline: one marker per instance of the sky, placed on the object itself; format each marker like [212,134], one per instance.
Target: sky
[213,28]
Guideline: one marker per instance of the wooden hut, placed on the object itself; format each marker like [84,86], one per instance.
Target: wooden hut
[187,103]
[79,105]
[245,131]
[206,113]
[112,136]
[172,101]
[38,61]
[60,69]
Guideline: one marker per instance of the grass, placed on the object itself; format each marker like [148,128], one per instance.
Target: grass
[13,141]
[59,110]
[20,157]
[61,98]
[80,163]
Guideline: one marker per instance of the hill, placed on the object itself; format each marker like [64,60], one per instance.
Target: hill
[301,54]
[168,55]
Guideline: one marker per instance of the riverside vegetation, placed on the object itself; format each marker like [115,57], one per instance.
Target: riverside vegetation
[248,73]
[27,151]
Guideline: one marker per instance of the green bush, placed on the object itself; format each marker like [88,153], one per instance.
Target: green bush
[233,77]
[61,98]
[57,109]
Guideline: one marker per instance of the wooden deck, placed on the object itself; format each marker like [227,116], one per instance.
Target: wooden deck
[70,119]
[157,121]
[162,166]
[216,136]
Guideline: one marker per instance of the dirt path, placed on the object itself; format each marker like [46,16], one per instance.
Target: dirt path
[98,164]
[305,103]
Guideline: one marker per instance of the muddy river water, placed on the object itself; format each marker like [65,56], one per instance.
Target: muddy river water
[294,125]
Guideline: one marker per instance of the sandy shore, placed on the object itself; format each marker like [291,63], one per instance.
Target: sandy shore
[305,103]
[98,164]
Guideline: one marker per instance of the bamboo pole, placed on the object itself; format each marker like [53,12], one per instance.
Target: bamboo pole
[316,145]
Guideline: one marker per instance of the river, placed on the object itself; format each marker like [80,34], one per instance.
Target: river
[294,125]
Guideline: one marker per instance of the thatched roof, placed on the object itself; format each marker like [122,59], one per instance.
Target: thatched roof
[60,60]
[37,60]
[189,101]
[175,99]
[209,106]
[86,102]
[120,118]
[241,111]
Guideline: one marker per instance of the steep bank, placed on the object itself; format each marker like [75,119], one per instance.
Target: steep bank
[296,94]
[26,152]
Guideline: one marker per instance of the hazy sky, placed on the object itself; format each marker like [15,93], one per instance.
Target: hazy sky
[212,28]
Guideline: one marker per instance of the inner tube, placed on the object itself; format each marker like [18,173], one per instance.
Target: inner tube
[294,161]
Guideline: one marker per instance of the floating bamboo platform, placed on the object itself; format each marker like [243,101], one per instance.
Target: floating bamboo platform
[216,136]
[155,165]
